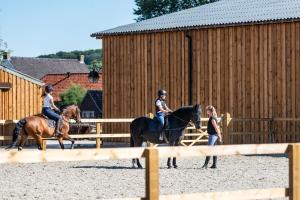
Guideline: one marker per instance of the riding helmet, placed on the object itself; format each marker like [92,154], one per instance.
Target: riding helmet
[162,92]
[49,88]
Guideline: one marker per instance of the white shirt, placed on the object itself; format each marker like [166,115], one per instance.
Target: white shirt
[47,101]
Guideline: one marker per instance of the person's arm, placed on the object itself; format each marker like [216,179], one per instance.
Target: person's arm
[162,109]
[214,123]
[53,105]
[168,109]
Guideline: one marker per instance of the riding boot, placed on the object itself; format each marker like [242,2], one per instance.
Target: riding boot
[58,127]
[214,165]
[207,158]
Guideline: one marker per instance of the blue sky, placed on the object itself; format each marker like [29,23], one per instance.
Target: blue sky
[34,27]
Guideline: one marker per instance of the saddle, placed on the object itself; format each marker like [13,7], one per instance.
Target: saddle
[51,123]
[154,126]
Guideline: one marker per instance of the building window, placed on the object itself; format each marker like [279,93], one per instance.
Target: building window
[88,114]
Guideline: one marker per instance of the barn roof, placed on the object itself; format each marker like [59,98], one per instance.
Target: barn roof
[5,66]
[221,13]
[92,98]
[39,67]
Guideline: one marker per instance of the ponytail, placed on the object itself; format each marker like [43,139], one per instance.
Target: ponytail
[212,110]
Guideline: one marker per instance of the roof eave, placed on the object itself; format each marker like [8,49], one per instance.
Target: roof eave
[103,34]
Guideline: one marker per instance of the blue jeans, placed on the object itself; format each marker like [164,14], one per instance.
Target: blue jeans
[212,139]
[161,118]
[51,114]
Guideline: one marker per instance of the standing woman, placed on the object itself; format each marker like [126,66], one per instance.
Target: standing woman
[49,107]
[214,133]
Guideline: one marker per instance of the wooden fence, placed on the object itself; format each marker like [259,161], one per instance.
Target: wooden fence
[234,130]
[262,130]
[195,137]
[152,156]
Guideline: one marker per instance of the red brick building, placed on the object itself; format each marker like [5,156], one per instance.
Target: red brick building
[74,78]
[52,71]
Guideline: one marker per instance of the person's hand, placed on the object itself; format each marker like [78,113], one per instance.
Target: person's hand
[221,140]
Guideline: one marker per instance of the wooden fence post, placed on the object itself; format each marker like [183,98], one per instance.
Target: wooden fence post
[98,131]
[152,173]
[226,127]
[44,145]
[294,171]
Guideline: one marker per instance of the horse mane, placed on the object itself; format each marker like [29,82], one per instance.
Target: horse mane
[182,109]
[66,106]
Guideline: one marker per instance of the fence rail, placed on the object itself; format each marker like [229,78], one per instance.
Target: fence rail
[152,156]
[234,130]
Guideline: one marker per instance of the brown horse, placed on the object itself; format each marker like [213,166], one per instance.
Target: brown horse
[37,127]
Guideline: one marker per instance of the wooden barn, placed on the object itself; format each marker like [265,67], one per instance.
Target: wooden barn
[20,96]
[242,56]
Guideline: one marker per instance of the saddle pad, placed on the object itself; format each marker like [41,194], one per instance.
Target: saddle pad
[51,123]
[153,125]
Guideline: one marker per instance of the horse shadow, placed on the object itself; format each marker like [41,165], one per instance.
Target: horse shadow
[101,167]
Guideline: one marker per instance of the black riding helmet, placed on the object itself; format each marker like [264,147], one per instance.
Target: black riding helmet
[161,92]
[49,88]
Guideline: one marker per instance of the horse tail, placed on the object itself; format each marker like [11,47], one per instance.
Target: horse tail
[18,129]
[16,132]
[131,138]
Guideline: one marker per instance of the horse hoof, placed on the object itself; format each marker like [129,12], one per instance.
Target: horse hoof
[20,148]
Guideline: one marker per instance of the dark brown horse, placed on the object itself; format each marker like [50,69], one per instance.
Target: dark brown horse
[37,127]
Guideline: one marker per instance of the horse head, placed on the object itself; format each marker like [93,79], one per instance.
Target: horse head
[72,112]
[196,118]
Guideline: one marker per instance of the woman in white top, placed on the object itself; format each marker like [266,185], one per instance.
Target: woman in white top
[49,107]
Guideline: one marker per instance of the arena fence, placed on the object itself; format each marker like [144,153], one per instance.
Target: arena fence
[191,138]
[152,156]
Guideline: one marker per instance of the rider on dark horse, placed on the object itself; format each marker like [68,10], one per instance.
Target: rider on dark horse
[161,108]
[49,109]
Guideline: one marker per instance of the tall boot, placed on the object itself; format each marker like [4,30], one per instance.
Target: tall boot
[58,133]
[207,158]
[214,165]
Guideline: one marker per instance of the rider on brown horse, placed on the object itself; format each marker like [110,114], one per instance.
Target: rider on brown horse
[49,107]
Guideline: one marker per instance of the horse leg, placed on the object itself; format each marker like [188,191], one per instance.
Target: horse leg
[169,163]
[171,143]
[174,159]
[61,143]
[67,137]
[23,140]
[139,144]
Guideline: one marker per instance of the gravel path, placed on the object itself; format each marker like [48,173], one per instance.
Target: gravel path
[114,179]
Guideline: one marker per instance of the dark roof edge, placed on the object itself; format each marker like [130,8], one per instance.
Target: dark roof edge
[22,75]
[99,35]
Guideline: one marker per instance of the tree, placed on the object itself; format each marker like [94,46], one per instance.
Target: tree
[3,47]
[147,9]
[89,55]
[74,95]
[96,64]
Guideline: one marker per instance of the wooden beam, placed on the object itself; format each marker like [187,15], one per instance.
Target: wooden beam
[294,171]
[257,149]
[233,195]
[152,174]
[33,156]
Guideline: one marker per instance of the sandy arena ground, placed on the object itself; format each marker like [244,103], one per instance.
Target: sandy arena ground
[114,179]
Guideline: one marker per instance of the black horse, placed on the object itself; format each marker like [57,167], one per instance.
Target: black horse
[144,129]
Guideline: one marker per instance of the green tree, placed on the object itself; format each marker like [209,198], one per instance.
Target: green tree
[147,9]
[96,64]
[3,47]
[89,55]
[74,95]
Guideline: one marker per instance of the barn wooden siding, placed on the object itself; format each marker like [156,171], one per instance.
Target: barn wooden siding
[23,99]
[250,71]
